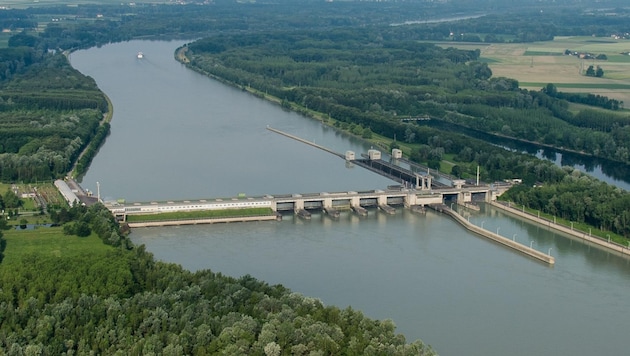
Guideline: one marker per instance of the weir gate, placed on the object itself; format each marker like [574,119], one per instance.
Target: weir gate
[315,201]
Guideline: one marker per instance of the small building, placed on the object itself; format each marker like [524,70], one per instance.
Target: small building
[396,153]
[374,154]
[66,192]
[350,156]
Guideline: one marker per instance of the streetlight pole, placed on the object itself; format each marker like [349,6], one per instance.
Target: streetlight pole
[549,252]
[498,229]
[571,225]
[514,237]
[531,243]
[482,223]
[607,235]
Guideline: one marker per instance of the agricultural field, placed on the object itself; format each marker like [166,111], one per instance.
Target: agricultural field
[535,65]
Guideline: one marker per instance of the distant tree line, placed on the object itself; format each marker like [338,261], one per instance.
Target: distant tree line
[584,98]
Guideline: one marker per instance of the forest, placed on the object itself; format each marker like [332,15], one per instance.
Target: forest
[102,295]
[362,67]
[48,114]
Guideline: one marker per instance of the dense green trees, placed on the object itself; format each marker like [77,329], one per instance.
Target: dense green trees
[592,72]
[117,299]
[588,99]
[579,198]
[48,113]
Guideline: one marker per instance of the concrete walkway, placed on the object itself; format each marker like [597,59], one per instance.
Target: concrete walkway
[526,250]
[202,221]
[624,250]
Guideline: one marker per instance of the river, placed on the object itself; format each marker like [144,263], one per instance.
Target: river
[179,135]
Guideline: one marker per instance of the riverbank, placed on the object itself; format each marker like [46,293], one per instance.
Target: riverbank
[528,251]
[582,235]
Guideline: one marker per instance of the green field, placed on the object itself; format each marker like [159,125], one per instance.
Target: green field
[49,241]
[204,214]
[541,53]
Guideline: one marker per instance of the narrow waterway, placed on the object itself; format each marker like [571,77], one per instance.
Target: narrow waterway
[179,135]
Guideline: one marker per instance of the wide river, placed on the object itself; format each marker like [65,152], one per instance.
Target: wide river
[179,135]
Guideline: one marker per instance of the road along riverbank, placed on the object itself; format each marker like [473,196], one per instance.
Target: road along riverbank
[623,250]
[526,250]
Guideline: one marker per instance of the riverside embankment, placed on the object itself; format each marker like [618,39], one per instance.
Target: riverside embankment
[495,237]
[202,221]
[582,235]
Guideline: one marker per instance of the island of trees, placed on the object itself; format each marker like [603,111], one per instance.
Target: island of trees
[356,66]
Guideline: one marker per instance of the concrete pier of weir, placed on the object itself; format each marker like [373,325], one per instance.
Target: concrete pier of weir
[526,250]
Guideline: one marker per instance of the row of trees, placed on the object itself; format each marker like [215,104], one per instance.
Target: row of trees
[594,72]
[579,198]
[82,221]
[584,98]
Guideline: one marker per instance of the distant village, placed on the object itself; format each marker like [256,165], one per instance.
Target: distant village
[586,55]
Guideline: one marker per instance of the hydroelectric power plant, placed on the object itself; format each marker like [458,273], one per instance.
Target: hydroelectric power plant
[417,191]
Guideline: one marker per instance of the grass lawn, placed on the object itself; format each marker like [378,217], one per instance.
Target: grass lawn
[203,214]
[49,241]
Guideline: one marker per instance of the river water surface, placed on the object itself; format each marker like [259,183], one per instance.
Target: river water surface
[179,135]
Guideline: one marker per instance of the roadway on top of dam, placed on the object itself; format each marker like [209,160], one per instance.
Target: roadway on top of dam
[280,198]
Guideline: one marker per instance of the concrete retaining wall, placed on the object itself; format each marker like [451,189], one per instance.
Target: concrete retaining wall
[496,237]
[575,233]
[202,221]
